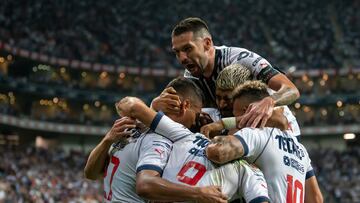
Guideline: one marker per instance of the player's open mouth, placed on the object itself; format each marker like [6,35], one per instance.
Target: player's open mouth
[191,67]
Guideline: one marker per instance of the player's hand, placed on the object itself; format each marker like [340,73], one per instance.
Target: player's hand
[117,131]
[257,112]
[125,106]
[211,194]
[167,102]
[204,118]
[209,129]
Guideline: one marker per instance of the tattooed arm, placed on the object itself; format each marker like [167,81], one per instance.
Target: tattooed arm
[223,149]
[286,92]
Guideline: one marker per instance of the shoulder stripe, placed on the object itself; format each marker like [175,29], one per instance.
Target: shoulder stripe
[260,199]
[309,174]
[156,120]
[245,146]
[149,167]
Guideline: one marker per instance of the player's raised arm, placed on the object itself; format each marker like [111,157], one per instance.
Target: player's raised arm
[135,108]
[286,92]
[98,157]
[161,124]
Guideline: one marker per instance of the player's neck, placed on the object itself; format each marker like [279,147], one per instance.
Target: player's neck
[210,66]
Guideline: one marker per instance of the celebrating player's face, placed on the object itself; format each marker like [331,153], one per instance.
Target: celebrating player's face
[240,105]
[224,102]
[190,52]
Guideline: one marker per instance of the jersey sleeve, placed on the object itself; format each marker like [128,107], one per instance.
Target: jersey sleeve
[309,171]
[153,153]
[292,122]
[252,142]
[168,128]
[260,68]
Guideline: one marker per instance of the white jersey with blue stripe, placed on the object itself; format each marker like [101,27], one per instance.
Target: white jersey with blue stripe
[149,151]
[189,165]
[283,160]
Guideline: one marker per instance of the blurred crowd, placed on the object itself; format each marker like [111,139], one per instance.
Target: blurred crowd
[38,175]
[41,176]
[338,174]
[326,98]
[306,34]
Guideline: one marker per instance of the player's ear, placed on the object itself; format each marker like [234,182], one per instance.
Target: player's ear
[207,43]
[185,105]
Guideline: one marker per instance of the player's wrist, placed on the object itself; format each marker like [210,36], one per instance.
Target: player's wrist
[271,99]
[108,140]
[197,194]
[229,123]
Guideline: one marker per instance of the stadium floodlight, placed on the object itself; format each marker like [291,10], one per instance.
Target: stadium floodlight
[349,136]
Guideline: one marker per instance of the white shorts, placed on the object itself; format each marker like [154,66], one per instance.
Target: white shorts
[238,180]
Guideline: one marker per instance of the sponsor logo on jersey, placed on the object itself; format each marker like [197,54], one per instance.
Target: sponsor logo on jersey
[288,145]
[257,61]
[243,55]
[160,151]
[200,143]
[294,164]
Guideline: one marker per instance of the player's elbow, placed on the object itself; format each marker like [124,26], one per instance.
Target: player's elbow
[215,154]
[318,198]
[144,189]
[297,93]
[88,174]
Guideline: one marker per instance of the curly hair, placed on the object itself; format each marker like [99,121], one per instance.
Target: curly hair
[232,76]
[253,90]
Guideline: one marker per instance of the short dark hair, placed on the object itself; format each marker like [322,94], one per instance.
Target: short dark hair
[186,88]
[192,24]
[253,90]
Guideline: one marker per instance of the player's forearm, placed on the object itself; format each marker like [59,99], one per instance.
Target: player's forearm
[285,96]
[286,92]
[158,189]
[97,160]
[224,149]
[135,108]
[312,191]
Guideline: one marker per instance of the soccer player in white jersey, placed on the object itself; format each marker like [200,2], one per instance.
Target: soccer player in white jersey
[192,43]
[284,161]
[188,150]
[138,165]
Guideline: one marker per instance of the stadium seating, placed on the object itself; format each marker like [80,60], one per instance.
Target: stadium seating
[306,34]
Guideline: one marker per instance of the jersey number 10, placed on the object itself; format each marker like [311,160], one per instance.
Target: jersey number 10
[292,190]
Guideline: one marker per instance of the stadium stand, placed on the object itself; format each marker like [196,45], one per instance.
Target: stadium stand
[64,64]
[37,175]
[306,34]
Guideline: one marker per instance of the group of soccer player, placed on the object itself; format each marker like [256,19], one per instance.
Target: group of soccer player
[220,133]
